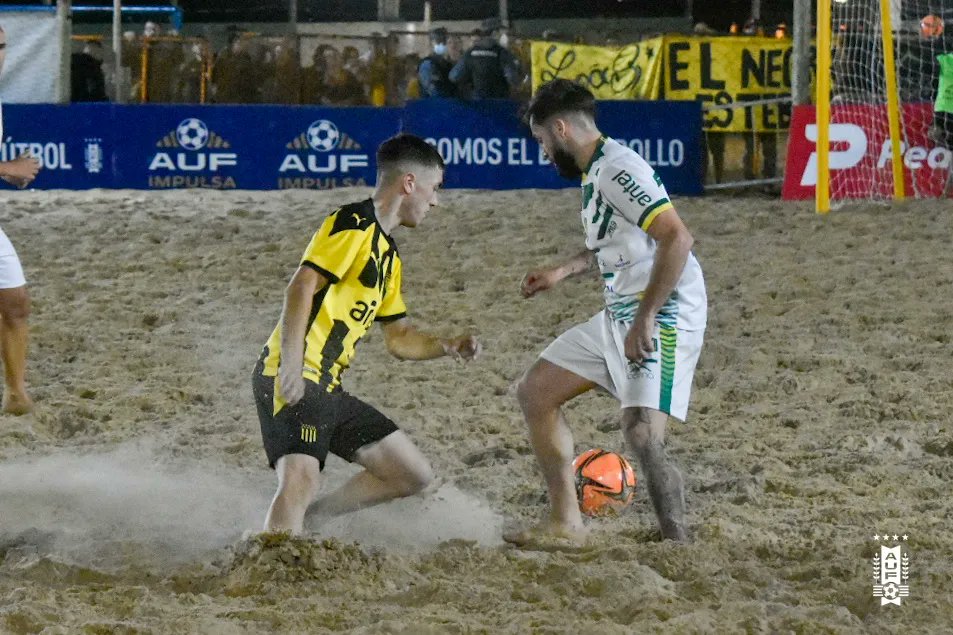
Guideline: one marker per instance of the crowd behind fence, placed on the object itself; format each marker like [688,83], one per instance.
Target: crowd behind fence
[325,69]
[381,69]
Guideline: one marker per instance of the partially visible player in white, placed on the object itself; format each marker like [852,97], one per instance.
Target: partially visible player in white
[643,346]
[14,299]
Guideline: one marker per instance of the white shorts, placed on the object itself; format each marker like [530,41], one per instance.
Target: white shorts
[11,272]
[595,350]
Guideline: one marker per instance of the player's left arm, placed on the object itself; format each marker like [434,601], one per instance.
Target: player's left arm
[404,341]
[674,244]
[644,201]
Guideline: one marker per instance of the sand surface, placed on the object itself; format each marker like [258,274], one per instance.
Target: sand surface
[821,416]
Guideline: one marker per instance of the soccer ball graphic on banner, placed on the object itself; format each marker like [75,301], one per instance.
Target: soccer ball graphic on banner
[192,134]
[323,135]
[605,482]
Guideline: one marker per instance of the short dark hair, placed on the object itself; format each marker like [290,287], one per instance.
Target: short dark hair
[559,96]
[408,148]
[439,35]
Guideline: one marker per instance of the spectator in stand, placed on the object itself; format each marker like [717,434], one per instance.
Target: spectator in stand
[352,61]
[88,82]
[188,86]
[378,71]
[433,74]
[312,77]
[488,67]
[132,62]
[164,58]
[341,88]
[233,77]
[408,86]
[288,74]
[767,139]
[455,48]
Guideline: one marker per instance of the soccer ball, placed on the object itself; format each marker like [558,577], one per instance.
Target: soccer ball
[605,482]
[931,26]
[323,135]
[192,134]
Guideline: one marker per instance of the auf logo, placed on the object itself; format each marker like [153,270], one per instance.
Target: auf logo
[192,134]
[323,136]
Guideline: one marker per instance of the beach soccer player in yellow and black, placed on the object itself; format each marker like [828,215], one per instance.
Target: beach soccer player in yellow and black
[349,278]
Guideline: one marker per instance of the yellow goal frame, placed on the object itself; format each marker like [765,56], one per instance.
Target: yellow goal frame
[823,103]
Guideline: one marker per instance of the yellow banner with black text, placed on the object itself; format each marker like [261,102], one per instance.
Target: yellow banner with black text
[633,71]
[713,70]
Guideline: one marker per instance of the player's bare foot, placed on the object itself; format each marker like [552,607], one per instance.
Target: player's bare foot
[17,403]
[672,530]
[547,532]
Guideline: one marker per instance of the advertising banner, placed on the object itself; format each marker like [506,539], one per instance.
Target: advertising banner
[74,143]
[729,70]
[485,144]
[633,71]
[249,147]
[861,154]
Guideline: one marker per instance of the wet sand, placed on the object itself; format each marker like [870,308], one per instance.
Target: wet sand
[820,418]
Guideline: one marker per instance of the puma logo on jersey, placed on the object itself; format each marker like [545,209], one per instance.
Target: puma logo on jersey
[633,189]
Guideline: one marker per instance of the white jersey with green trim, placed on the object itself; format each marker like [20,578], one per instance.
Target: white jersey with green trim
[621,196]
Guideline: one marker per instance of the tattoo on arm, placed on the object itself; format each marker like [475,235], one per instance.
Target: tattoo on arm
[583,263]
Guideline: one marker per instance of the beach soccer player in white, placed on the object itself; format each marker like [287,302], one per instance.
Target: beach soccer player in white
[14,298]
[642,347]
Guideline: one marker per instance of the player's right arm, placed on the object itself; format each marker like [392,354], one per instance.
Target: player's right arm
[327,258]
[299,296]
[542,279]
[21,171]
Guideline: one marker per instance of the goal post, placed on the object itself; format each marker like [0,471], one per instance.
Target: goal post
[825,41]
[874,135]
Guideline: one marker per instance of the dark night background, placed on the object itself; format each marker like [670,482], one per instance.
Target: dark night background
[718,14]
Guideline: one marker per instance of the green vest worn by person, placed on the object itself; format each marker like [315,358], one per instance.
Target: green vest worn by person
[944,93]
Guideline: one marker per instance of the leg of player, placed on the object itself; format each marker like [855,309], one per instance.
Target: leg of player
[393,468]
[14,333]
[644,432]
[299,479]
[542,392]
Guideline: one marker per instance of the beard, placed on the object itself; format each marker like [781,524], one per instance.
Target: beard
[566,164]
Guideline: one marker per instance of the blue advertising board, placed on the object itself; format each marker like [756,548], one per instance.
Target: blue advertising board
[486,145]
[252,147]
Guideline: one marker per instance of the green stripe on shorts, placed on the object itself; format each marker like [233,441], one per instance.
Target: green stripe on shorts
[667,337]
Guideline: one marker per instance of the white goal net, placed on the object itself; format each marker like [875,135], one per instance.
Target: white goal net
[861,152]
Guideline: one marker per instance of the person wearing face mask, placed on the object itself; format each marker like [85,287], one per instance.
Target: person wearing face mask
[433,72]
[488,67]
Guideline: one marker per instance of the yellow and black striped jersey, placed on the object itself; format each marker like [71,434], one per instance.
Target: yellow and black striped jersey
[363,267]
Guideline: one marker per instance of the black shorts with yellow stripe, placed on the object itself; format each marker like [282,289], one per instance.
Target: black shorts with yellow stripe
[321,422]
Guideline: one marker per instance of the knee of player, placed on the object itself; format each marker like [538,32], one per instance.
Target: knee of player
[17,307]
[530,394]
[416,479]
[299,482]
[637,431]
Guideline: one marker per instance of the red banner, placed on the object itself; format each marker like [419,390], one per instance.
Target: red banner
[860,156]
